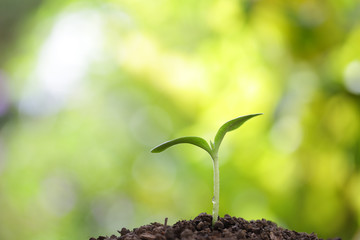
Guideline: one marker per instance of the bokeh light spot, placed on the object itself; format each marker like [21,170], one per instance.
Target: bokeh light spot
[286,134]
[352,77]
[58,195]
[113,212]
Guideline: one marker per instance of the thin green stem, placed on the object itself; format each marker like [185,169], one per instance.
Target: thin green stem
[215,200]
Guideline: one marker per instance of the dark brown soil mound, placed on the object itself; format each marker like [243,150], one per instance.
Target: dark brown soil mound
[230,228]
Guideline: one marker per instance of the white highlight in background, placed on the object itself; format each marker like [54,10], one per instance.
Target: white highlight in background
[64,60]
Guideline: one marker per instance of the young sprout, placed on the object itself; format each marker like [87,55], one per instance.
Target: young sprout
[212,149]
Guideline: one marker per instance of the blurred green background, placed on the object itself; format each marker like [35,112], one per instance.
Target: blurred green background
[87,88]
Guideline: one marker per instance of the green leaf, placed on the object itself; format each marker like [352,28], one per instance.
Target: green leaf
[197,141]
[229,126]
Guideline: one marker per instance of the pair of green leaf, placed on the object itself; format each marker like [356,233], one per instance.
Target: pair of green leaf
[212,149]
[200,142]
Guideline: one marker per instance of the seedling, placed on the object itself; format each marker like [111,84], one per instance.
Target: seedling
[212,149]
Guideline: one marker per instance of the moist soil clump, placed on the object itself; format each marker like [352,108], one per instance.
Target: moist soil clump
[229,228]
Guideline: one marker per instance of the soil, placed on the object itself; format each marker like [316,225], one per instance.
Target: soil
[229,228]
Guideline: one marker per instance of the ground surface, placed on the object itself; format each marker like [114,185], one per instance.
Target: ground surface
[230,228]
